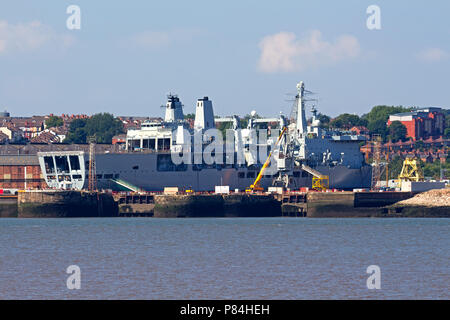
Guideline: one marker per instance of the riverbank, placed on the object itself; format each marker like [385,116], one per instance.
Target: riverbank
[433,203]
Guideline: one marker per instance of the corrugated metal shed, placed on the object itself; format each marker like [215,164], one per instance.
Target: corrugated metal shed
[17,160]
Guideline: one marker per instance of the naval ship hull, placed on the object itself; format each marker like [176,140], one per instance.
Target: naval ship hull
[146,172]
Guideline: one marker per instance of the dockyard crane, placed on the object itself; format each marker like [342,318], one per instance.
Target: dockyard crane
[411,171]
[255,186]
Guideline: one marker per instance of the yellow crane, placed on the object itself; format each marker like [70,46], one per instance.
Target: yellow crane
[411,171]
[255,186]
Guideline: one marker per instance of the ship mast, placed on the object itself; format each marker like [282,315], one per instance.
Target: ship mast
[301,117]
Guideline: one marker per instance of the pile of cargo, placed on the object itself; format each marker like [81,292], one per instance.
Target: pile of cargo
[432,198]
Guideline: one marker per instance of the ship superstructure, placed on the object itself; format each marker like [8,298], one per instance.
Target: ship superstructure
[151,161]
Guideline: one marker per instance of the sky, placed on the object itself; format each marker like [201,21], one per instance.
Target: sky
[244,55]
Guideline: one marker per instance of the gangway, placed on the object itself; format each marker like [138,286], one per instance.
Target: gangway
[319,181]
[126,185]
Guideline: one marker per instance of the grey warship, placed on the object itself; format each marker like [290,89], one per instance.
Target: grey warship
[146,164]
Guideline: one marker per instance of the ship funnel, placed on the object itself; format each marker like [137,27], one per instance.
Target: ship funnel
[204,115]
[174,109]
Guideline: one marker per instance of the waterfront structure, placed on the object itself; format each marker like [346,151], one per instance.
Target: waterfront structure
[21,172]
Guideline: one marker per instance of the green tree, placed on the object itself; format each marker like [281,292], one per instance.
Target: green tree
[383,113]
[347,121]
[102,126]
[378,127]
[54,121]
[395,167]
[419,145]
[447,133]
[324,120]
[397,131]
[77,132]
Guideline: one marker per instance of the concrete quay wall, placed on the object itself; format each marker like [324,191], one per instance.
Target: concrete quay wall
[216,205]
[8,207]
[352,204]
[55,204]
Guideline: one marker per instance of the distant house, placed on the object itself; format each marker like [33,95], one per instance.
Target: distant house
[51,135]
[3,138]
[46,137]
[119,139]
[14,134]
[360,130]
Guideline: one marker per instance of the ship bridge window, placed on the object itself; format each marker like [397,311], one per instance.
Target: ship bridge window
[250,174]
[99,176]
[135,144]
[74,162]
[135,167]
[164,144]
[108,176]
[62,165]
[241,175]
[49,165]
[304,174]
[296,174]
[148,144]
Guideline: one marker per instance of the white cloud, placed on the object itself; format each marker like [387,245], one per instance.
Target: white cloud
[160,39]
[23,37]
[432,55]
[283,52]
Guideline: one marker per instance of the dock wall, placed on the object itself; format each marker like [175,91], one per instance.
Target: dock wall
[216,205]
[352,204]
[55,204]
[8,207]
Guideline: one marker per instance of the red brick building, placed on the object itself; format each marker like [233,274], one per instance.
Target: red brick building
[421,123]
[20,172]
